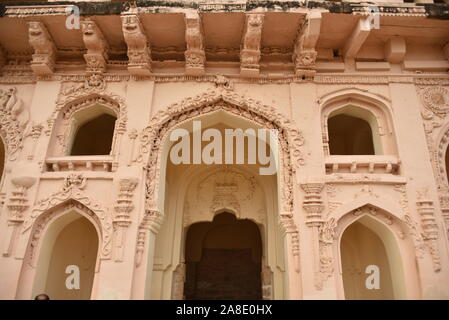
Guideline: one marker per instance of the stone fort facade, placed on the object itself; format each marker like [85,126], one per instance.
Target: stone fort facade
[358,94]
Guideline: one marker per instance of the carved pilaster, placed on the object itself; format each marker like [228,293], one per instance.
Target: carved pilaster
[290,229]
[96,45]
[426,210]
[17,204]
[152,221]
[122,219]
[313,205]
[139,52]
[304,53]
[195,56]
[44,48]
[250,49]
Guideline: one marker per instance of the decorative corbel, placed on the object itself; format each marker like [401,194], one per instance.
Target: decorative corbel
[250,48]
[44,56]
[139,52]
[304,52]
[96,45]
[194,55]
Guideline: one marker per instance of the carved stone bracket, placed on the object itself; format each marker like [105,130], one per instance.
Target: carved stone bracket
[194,55]
[122,219]
[96,45]
[250,48]
[17,205]
[44,49]
[426,209]
[304,52]
[139,52]
[13,121]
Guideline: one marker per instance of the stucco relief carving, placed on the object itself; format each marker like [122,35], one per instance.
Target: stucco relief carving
[73,189]
[435,99]
[426,209]
[224,189]
[313,204]
[76,97]
[289,228]
[13,122]
[122,218]
[152,137]
[17,204]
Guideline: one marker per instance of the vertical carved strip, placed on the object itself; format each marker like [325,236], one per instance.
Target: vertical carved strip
[123,207]
[291,231]
[313,205]
[18,203]
[426,209]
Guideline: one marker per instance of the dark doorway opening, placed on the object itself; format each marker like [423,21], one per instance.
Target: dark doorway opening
[223,259]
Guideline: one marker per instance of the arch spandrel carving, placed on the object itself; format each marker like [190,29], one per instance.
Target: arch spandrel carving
[153,136]
[79,96]
[224,189]
[72,192]
[13,122]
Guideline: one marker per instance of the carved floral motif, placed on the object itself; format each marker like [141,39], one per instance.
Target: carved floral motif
[13,121]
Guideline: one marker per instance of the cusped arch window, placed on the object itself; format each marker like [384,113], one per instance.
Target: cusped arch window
[93,132]
[86,135]
[353,131]
[354,124]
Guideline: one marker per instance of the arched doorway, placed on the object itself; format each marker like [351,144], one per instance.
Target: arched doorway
[223,259]
[70,242]
[369,252]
